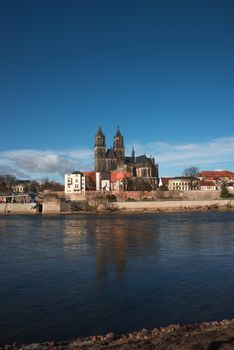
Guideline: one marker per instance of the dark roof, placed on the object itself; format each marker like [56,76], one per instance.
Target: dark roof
[142,159]
[77,172]
[138,159]
[99,132]
[129,159]
[118,133]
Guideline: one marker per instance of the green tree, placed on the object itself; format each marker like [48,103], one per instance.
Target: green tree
[224,192]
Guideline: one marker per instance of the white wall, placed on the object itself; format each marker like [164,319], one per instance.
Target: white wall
[74,183]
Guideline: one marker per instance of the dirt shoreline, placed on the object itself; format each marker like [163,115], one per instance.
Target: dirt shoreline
[217,335]
[126,211]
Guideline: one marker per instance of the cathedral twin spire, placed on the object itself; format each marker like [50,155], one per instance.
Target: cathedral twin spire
[107,159]
[100,139]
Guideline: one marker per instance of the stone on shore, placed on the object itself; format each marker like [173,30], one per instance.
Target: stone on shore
[205,336]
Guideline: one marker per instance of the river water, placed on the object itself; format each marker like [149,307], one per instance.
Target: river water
[67,276]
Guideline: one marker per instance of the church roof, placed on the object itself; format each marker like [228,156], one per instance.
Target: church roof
[129,159]
[142,159]
[118,133]
[138,159]
[100,132]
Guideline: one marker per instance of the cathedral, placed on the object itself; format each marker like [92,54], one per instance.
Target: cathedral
[114,159]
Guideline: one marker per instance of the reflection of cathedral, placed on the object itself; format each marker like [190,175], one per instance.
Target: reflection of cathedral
[114,159]
[110,243]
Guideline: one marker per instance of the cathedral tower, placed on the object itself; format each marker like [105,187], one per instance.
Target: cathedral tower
[100,151]
[118,146]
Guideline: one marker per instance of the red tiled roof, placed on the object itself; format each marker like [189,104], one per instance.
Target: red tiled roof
[165,180]
[207,183]
[119,175]
[211,174]
[90,175]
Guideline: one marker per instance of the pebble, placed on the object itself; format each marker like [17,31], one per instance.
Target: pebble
[179,337]
[224,322]
[34,346]
[110,336]
[155,331]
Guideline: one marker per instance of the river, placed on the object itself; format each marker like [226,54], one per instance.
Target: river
[75,275]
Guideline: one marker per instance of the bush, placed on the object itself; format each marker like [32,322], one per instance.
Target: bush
[111,198]
[224,192]
[94,202]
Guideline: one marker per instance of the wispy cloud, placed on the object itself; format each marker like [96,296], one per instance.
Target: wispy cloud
[172,158]
[206,154]
[33,163]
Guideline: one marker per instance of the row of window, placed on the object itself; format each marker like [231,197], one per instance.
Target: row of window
[182,188]
[76,186]
[182,183]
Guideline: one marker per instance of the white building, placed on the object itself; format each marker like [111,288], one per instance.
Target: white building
[208,185]
[21,186]
[105,185]
[183,184]
[74,182]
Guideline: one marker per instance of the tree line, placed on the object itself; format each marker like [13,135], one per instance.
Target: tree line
[8,182]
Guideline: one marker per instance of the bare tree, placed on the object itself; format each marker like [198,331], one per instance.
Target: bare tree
[7,182]
[191,171]
[51,185]
[95,201]
[138,184]
[191,174]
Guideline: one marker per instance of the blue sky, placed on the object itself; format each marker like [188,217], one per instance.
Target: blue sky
[162,70]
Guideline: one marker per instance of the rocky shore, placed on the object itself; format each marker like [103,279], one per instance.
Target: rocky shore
[218,335]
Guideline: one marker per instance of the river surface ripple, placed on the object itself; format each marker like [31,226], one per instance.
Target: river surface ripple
[69,276]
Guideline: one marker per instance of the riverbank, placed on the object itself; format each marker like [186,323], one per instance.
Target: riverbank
[175,205]
[205,336]
[128,207]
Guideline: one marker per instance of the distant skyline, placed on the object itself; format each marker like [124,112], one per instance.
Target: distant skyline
[162,70]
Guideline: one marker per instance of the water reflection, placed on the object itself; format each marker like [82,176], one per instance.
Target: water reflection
[112,240]
[69,276]
[75,236]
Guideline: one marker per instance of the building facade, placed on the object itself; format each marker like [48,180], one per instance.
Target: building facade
[183,184]
[114,158]
[74,182]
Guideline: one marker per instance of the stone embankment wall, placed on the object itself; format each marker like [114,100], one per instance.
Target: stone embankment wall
[51,203]
[140,195]
[174,205]
[17,208]
[168,195]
